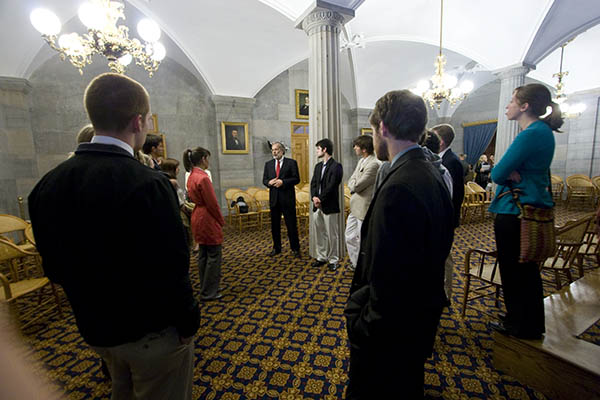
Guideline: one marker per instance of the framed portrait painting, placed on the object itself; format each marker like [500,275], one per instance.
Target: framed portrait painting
[301,104]
[366,131]
[234,136]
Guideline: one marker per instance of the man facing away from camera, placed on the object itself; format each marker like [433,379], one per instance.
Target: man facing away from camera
[92,218]
[397,293]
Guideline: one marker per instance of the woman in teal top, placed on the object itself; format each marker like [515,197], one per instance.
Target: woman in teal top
[525,166]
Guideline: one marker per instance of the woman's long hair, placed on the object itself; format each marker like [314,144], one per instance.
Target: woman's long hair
[539,99]
[193,157]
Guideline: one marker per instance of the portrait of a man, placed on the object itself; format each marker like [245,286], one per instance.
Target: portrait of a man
[302,104]
[234,137]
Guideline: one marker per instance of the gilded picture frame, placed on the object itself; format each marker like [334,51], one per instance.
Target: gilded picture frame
[302,104]
[234,137]
[366,131]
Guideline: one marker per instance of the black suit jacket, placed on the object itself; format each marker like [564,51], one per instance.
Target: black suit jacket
[95,218]
[405,239]
[285,195]
[457,172]
[330,186]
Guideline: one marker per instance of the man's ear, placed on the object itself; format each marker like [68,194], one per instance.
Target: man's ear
[383,130]
[136,123]
[524,107]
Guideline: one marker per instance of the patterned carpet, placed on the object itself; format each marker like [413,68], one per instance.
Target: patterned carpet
[279,333]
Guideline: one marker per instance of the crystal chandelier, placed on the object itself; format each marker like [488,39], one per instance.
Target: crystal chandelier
[103,37]
[568,110]
[442,86]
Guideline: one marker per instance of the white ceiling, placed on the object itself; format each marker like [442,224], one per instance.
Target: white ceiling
[238,46]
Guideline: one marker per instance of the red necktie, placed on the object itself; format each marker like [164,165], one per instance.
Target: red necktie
[277,169]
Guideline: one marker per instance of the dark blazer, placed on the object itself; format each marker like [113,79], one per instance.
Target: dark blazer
[457,172]
[405,239]
[96,218]
[330,186]
[285,195]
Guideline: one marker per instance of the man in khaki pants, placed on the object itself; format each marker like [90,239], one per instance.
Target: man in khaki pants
[361,185]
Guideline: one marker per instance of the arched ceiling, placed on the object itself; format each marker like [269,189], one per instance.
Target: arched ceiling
[237,46]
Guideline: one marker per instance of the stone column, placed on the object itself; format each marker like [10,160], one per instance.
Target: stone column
[323,24]
[233,170]
[510,78]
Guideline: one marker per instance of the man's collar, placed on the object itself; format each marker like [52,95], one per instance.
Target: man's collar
[406,150]
[441,153]
[113,141]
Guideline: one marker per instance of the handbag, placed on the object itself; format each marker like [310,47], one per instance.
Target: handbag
[538,238]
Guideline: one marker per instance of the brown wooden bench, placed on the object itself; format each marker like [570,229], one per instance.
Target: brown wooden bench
[560,365]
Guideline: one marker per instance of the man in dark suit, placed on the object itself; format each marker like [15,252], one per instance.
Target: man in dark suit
[397,293]
[280,176]
[456,169]
[234,142]
[324,192]
[91,217]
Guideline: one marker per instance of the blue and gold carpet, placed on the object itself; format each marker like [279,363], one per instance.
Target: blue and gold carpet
[279,333]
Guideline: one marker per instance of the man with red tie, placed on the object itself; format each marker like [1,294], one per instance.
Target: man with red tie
[280,176]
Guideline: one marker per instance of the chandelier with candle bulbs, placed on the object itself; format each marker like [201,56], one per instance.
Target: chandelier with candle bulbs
[568,110]
[103,37]
[442,86]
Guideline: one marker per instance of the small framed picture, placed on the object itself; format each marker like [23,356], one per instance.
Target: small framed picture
[154,127]
[366,131]
[301,104]
[234,136]
[164,143]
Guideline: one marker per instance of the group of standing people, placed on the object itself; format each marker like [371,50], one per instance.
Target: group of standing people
[400,232]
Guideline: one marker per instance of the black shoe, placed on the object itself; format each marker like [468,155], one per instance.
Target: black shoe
[318,263]
[274,253]
[333,266]
[500,327]
[506,329]
[297,253]
[216,297]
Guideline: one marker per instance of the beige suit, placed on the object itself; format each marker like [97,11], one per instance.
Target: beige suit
[361,185]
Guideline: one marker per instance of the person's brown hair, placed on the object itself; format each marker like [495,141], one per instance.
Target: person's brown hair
[169,167]
[193,157]
[431,140]
[539,98]
[112,100]
[364,142]
[403,113]
[446,132]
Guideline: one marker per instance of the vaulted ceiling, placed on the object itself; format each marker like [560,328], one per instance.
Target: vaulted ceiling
[238,46]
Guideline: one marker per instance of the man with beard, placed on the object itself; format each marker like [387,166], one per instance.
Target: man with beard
[397,293]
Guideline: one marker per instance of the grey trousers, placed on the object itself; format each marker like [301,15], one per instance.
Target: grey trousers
[155,367]
[327,232]
[209,270]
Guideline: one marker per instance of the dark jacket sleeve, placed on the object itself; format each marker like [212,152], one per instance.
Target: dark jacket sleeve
[328,192]
[458,186]
[294,176]
[266,175]
[314,182]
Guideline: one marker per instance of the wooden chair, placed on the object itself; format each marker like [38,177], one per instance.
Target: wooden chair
[569,239]
[347,190]
[482,278]
[303,210]
[252,190]
[264,210]
[346,206]
[13,229]
[473,205]
[596,183]
[482,198]
[251,219]
[22,276]
[589,249]
[305,188]
[580,187]
[558,187]
[229,199]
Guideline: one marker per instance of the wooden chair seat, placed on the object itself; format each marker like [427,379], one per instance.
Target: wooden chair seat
[250,219]
[580,187]
[264,209]
[21,288]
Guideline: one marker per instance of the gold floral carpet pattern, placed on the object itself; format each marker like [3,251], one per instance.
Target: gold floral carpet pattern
[279,333]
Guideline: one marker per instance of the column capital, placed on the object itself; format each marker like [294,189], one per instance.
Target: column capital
[323,14]
[512,71]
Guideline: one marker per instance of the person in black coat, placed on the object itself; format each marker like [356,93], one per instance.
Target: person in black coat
[397,293]
[280,176]
[451,161]
[93,217]
[324,192]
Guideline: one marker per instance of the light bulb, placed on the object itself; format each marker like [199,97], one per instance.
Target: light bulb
[45,21]
[456,93]
[158,51]
[125,59]
[92,16]
[565,107]
[71,43]
[466,86]
[450,81]
[149,30]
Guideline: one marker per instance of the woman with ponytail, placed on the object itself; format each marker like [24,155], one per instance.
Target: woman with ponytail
[207,222]
[524,167]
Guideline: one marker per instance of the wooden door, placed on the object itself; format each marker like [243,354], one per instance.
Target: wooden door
[300,148]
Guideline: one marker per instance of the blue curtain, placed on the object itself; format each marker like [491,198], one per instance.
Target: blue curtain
[476,140]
